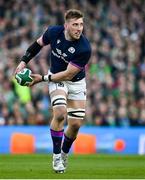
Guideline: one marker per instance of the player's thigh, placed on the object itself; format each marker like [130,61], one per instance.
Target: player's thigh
[57,89]
[58,92]
[77,91]
[76,104]
[59,103]
[58,96]
[76,112]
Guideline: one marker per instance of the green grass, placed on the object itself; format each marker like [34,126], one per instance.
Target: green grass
[38,166]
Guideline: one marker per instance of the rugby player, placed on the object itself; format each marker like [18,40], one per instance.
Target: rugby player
[70,52]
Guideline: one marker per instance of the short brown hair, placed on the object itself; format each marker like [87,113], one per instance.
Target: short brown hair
[72,14]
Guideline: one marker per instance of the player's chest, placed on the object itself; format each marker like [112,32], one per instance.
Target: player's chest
[64,50]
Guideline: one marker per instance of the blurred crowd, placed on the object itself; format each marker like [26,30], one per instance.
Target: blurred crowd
[115,73]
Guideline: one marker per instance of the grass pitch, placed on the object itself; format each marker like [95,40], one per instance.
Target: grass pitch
[38,166]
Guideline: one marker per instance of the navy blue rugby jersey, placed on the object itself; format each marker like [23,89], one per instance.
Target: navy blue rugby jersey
[64,52]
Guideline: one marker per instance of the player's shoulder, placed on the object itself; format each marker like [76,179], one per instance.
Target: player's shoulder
[51,33]
[84,44]
[56,28]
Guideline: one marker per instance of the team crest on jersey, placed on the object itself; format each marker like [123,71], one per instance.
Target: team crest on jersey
[71,50]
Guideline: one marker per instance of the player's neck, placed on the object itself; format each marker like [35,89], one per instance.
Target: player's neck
[67,36]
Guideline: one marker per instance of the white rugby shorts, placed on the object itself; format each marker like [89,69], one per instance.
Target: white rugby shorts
[74,90]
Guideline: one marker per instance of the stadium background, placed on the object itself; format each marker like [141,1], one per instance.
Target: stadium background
[115,74]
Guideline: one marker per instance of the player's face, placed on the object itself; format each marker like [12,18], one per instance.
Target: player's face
[74,28]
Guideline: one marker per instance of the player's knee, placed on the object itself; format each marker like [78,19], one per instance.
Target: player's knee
[59,104]
[60,113]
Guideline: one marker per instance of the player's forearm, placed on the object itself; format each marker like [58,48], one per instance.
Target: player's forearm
[66,75]
[31,52]
[61,76]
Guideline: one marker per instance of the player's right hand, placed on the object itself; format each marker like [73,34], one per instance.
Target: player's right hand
[21,66]
[36,79]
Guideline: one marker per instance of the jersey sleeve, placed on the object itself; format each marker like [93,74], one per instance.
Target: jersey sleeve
[51,33]
[47,36]
[81,60]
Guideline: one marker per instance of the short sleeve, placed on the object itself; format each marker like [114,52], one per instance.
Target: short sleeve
[81,60]
[47,36]
[51,33]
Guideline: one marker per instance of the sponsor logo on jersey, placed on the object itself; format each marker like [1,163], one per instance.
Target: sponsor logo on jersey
[60,55]
[59,51]
[64,55]
[71,50]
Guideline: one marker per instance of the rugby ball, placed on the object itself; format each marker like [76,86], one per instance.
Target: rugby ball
[24,77]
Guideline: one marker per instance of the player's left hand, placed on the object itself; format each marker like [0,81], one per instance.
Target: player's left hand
[36,79]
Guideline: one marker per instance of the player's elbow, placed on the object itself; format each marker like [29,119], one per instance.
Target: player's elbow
[40,41]
[69,76]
